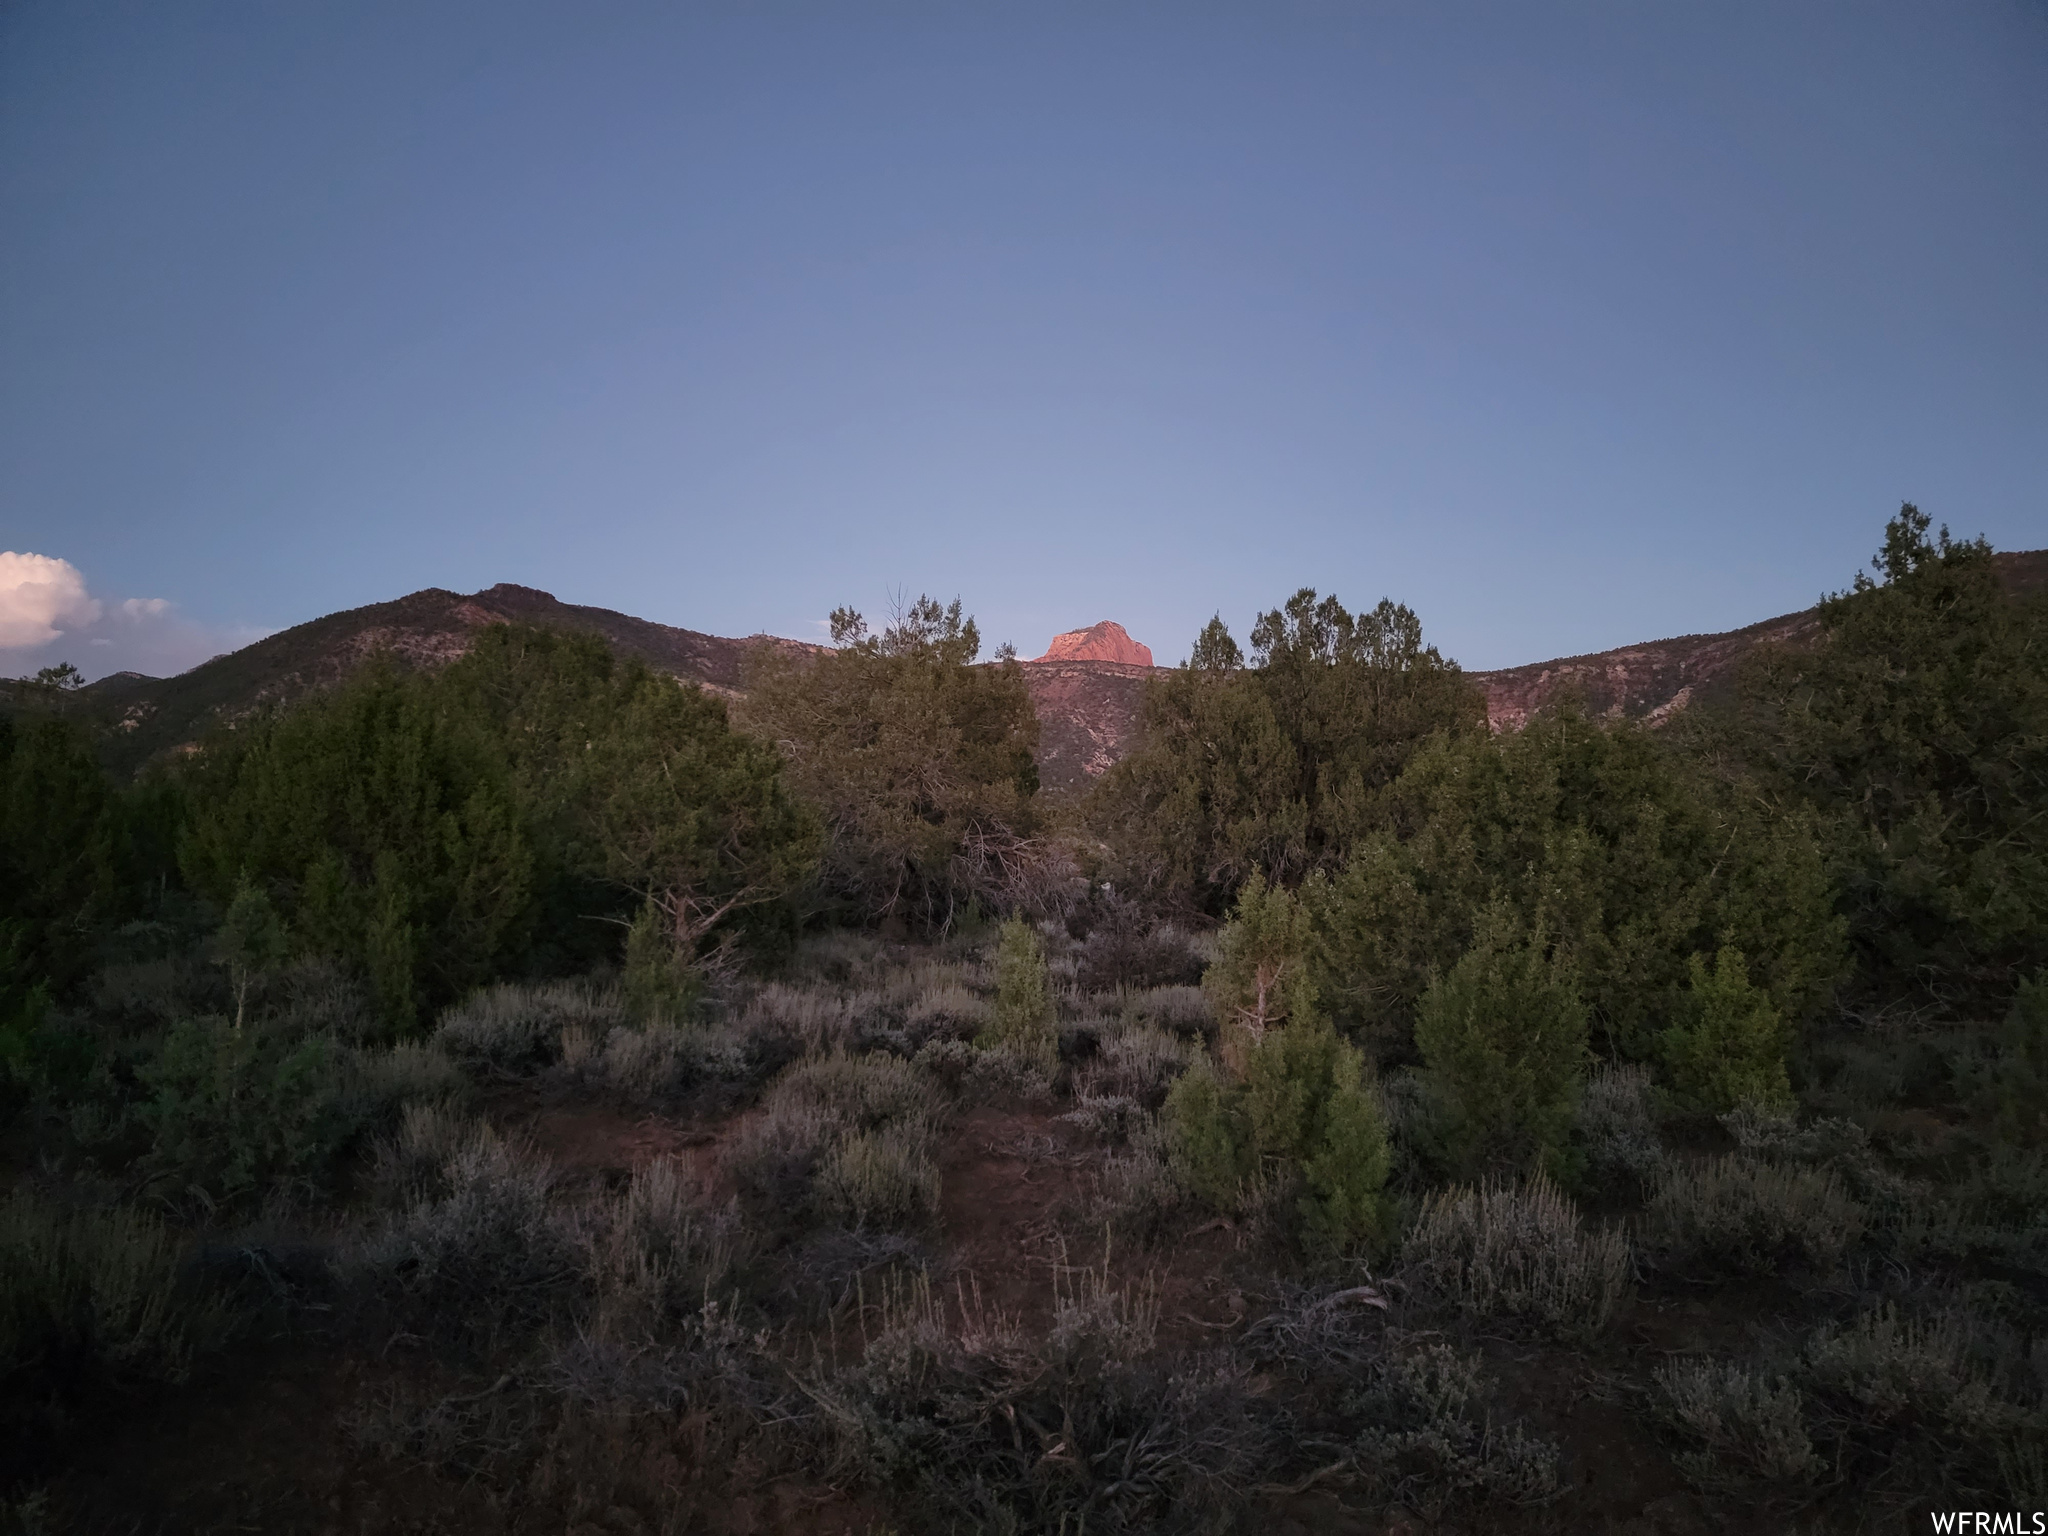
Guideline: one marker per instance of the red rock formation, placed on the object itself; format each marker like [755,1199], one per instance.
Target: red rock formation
[1098,642]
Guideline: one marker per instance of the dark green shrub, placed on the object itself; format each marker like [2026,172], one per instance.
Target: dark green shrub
[1503,1042]
[1023,1018]
[2019,1079]
[420,826]
[1276,768]
[1629,858]
[61,846]
[1726,1042]
[388,824]
[659,981]
[1303,1125]
[1915,728]
[919,762]
[41,1053]
[230,1111]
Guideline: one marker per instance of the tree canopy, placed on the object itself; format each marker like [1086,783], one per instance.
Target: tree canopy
[1277,766]
[920,761]
[1916,731]
[422,826]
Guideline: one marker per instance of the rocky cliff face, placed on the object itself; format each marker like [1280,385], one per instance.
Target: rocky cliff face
[1106,641]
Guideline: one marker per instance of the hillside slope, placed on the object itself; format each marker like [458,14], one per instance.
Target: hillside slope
[149,716]
[1089,711]
[1656,678]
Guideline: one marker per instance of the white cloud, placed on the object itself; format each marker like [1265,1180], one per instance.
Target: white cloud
[48,616]
[41,598]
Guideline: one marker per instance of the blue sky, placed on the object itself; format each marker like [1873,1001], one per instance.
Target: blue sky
[1568,325]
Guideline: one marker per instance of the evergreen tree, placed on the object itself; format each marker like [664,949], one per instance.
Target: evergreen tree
[1277,767]
[1291,1113]
[1597,835]
[919,761]
[1503,1042]
[1263,974]
[1727,1045]
[1300,1124]
[1024,1014]
[1309,1109]
[2019,1076]
[1916,729]
[61,851]
[250,942]
[388,824]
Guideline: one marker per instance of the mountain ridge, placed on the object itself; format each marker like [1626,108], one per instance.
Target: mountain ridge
[1089,710]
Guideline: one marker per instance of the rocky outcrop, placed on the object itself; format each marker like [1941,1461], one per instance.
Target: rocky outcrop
[1653,681]
[1649,682]
[1088,717]
[1106,641]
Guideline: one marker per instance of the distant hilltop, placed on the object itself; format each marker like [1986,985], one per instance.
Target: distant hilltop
[1089,686]
[1106,641]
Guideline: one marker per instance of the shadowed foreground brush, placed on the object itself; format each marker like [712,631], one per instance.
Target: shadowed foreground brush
[1519,1251]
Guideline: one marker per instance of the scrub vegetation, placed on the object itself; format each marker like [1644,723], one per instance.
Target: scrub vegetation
[533,1095]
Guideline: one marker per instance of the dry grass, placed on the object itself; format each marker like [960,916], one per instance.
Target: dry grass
[849,1138]
[1519,1251]
[481,1249]
[1743,1426]
[1740,1214]
[98,1289]
[1618,1127]
[1425,1444]
[659,1064]
[1138,1063]
[510,1030]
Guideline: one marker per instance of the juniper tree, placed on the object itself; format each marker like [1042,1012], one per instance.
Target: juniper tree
[1503,1042]
[1276,766]
[1916,729]
[919,762]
